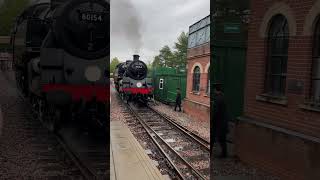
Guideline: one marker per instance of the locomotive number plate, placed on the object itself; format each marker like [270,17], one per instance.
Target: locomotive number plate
[91,17]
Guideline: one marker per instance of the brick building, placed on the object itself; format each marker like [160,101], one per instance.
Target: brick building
[197,101]
[280,128]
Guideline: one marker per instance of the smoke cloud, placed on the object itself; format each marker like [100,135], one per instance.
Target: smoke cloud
[125,21]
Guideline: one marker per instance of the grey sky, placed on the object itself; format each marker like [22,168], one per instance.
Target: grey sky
[144,26]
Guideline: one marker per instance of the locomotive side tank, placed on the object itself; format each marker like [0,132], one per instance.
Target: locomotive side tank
[61,52]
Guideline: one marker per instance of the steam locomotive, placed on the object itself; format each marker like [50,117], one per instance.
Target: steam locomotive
[61,59]
[130,79]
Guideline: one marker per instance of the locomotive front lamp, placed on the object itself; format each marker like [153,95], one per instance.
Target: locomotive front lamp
[93,73]
[139,84]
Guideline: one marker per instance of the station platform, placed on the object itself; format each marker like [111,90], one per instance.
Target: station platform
[128,159]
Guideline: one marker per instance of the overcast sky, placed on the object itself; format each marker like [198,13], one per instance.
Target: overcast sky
[144,26]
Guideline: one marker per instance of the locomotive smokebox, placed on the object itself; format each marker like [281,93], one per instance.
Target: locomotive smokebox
[136,57]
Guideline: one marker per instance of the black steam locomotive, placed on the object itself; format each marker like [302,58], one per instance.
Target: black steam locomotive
[61,54]
[130,79]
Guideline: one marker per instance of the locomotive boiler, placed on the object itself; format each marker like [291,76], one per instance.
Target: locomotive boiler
[61,55]
[131,80]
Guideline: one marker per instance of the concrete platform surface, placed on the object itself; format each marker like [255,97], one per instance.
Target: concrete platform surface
[128,159]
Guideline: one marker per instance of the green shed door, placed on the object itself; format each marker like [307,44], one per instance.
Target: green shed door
[230,71]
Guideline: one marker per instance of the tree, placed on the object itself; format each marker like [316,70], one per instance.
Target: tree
[9,10]
[181,47]
[166,56]
[157,62]
[149,65]
[177,58]
[114,62]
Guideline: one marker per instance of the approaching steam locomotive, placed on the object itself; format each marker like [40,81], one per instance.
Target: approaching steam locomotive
[61,56]
[130,79]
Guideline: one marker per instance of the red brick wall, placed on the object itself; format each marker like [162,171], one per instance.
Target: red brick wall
[197,111]
[203,50]
[290,116]
[198,105]
[198,55]
[281,153]
[287,157]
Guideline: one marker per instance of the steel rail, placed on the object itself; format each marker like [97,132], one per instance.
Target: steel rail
[157,144]
[204,143]
[170,148]
[86,172]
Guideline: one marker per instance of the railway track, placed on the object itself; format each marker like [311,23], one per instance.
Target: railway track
[195,136]
[187,153]
[88,156]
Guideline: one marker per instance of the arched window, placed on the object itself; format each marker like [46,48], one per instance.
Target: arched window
[196,79]
[208,82]
[278,42]
[316,64]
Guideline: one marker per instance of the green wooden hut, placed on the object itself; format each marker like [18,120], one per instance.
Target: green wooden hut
[166,81]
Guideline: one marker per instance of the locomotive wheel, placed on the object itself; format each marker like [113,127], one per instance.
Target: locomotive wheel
[34,107]
[41,110]
[52,119]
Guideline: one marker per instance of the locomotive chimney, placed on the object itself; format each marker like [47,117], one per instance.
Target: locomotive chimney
[136,57]
[55,3]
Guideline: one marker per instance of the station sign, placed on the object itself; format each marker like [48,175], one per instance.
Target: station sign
[232,28]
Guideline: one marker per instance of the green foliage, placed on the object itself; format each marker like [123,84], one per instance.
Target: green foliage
[166,56]
[176,58]
[114,62]
[157,62]
[149,66]
[180,55]
[9,10]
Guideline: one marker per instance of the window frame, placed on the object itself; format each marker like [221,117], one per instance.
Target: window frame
[196,79]
[208,82]
[279,55]
[315,57]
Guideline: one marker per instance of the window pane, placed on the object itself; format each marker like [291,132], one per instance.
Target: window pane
[276,85]
[316,64]
[316,52]
[284,65]
[316,90]
[282,86]
[278,52]
[196,79]
[316,68]
[196,70]
[316,77]
[276,65]
[279,46]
